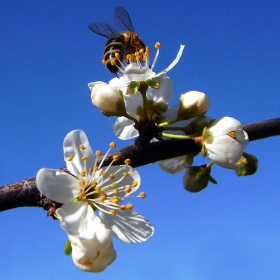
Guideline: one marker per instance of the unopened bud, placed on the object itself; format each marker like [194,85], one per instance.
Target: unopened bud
[249,165]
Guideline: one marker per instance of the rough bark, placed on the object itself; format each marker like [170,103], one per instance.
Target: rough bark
[25,193]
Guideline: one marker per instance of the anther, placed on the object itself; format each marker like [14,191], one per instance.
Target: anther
[116,158]
[96,168]
[117,55]
[127,161]
[112,176]
[116,191]
[128,189]
[113,212]
[134,184]
[157,45]
[125,174]
[115,200]
[113,145]
[142,195]
[84,158]
[103,61]
[103,197]
[83,173]
[129,206]
[122,207]
[82,182]
[113,62]
[82,147]
[91,169]
[98,153]
[70,158]
[104,173]
[98,189]
[232,135]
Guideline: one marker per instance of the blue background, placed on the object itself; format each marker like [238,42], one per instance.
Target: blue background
[48,55]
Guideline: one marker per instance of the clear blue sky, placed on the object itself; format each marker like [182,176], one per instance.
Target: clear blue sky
[47,57]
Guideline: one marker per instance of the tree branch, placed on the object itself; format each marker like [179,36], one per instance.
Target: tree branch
[25,193]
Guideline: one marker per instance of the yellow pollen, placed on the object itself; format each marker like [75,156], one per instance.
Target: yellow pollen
[125,174]
[116,191]
[83,173]
[157,45]
[232,135]
[82,147]
[115,200]
[136,54]
[142,194]
[122,207]
[91,169]
[138,57]
[70,158]
[129,206]
[141,50]
[103,197]
[112,176]
[113,62]
[134,184]
[128,189]
[113,145]
[84,158]
[104,173]
[116,158]
[98,189]
[96,168]
[113,212]
[98,153]
[127,161]
[81,195]
[117,55]
[147,53]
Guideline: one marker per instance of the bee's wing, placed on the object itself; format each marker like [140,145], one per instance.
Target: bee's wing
[103,29]
[122,19]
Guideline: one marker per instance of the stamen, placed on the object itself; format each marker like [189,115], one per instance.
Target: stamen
[103,61]
[142,195]
[116,191]
[129,206]
[134,184]
[115,200]
[157,45]
[95,168]
[90,169]
[117,55]
[113,145]
[128,189]
[98,189]
[82,147]
[112,176]
[156,56]
[82,182]
[122,207]
[232,134]
[70,158]
[116,158]
[98,153]
[127,161]
[83,173]
[113,212]
[84,158]
[125,174]
[104,173]
[103,197]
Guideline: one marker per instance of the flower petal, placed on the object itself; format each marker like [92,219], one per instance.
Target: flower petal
[78,219]
[124,128]
[57,185]
[71,147]
[174,165]
[164,93]
[128,226]
[224,125]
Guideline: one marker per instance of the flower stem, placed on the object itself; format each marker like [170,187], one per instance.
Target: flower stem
[174,136]
[173,128]
[131,118]
[177,119]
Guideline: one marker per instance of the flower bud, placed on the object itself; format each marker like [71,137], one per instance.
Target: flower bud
[249,165]
[196,178]
[224,141]
[107,98]
[193,103]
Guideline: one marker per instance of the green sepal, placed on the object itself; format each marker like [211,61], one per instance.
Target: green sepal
[152,83]
[67,248]
[212,180]
[133,87]
[203,151]
[120,109]
[162,107]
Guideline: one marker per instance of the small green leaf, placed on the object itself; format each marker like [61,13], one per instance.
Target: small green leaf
[67,248]
[152,83]
[133,87]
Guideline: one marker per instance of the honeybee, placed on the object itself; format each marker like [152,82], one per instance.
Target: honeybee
[123,43]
